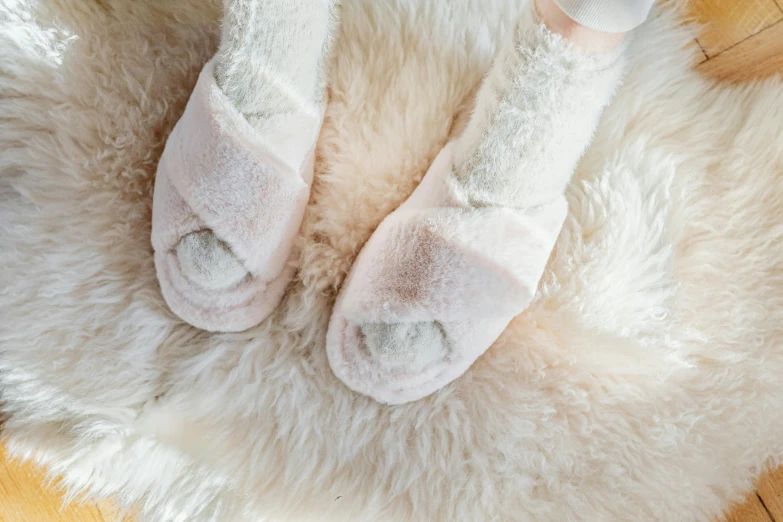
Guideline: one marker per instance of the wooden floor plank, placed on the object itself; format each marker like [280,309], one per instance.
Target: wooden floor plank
[770,490]
[697,52]
[26,497]
[729,22]
[751,510]
[759,56]
[112,514]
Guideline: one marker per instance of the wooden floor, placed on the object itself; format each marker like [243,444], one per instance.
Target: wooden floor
[26,496]
[740,40]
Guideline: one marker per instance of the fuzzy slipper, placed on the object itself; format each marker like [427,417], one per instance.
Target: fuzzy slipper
[437,261]
[249,186]
[443,275]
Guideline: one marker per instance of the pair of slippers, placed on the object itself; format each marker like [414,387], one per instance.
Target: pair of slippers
[432,289]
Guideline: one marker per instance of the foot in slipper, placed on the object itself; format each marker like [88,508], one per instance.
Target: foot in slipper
[443,275]
[235,174]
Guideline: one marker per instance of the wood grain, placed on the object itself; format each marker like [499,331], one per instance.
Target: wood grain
[698,55]
[751,510]
[25,496]
[728,22]
[759,56]
[112,514]
[770,491]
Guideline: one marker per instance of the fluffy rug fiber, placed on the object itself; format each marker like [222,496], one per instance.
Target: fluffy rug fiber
[644,382]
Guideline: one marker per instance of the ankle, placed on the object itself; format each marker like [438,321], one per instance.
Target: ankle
[588,40]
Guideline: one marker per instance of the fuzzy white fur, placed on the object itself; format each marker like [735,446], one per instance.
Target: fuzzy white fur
[673,241]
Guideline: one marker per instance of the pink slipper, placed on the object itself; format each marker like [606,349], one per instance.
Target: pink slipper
[249,187]
[438,261]
[443,276]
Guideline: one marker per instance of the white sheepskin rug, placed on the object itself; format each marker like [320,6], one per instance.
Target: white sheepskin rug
[644,383]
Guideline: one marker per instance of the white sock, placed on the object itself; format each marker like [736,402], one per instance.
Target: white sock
[270,63]
[272,53]
[535,115]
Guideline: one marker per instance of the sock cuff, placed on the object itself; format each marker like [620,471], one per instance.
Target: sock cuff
[609,16]
[533,37]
